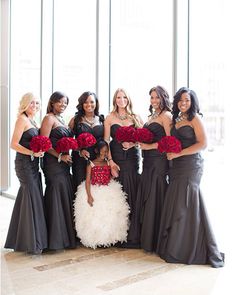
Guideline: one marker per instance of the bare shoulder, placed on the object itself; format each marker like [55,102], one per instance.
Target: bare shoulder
[21,121]
[49,119]
[109,118]
[197,120]
[167,115]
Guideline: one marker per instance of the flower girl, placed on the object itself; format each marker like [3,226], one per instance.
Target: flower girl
[101,210]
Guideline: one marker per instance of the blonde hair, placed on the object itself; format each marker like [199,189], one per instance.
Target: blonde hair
[128,108]
[25,102]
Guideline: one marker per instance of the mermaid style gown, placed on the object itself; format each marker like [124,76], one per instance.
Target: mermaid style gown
[185,232]
[27,230]
[79,163]
[128,162]
[58,197]
[107,221]
[151,192]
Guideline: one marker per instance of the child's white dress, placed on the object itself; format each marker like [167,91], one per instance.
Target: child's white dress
[107,221]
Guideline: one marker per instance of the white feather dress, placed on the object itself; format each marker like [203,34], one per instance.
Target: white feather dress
[107,221]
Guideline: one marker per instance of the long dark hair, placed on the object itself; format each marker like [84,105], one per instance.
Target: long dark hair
[55,97]
[81,100]
[194,109]
[165,104]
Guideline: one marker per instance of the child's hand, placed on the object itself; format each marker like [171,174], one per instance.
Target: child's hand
[90,201]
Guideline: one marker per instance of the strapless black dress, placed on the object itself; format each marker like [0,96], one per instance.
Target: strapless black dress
[185,232]
[128,162]
[151,192]
[58,197]
[27,230]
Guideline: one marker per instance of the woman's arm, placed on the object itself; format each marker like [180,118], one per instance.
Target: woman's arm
[72,123]
[107,133]
[88,185]
[166,122]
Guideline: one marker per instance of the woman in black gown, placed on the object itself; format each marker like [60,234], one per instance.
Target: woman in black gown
[124,157]
[27,230]
[56,168]
[86,119]
[185,232]
[153,181]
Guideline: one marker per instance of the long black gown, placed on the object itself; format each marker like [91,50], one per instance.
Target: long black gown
[58,197]
[185,232]
[27,230]
[128,161]
[151,192]
[79,163]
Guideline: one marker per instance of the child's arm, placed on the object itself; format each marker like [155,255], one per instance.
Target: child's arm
[88,185]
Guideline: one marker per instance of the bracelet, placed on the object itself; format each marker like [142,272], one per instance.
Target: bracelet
[32,156]
[59,157]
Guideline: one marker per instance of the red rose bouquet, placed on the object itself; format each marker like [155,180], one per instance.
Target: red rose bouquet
[169,144]
[143,135]
[85,140]
[40,143]
[65,144]
[125,134]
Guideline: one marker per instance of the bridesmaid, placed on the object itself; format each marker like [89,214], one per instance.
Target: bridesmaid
[185,232]
[153,181]
[86,119]
[59,191]
[27,230]
[124,158]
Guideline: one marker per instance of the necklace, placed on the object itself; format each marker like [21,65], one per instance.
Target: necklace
[31,121]
[90,122]
[122,117]
[181,117]
[60,119]
[155,115]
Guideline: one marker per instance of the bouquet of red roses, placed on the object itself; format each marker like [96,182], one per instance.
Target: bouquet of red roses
[169,144]
[65,144]
[125,134]
[143,135]
[85,140]
[40,143]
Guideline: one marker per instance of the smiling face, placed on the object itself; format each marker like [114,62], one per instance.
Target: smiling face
[33,107]
[60,106]
[121,100]
[184,103]
[90,104]
[155,101]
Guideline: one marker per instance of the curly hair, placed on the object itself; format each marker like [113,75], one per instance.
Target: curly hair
[81,100]
[194,108]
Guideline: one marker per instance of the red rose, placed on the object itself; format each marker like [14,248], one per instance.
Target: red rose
[85,140]
[125,133]
[40,143]
[169,144]
[143,135]
[65,144]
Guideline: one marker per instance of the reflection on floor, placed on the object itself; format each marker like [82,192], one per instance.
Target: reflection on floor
[104,271]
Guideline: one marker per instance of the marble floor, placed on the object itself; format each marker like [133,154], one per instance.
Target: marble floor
[108,271]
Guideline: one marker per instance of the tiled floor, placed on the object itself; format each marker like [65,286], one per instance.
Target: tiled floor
[105,271]
[113,271]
